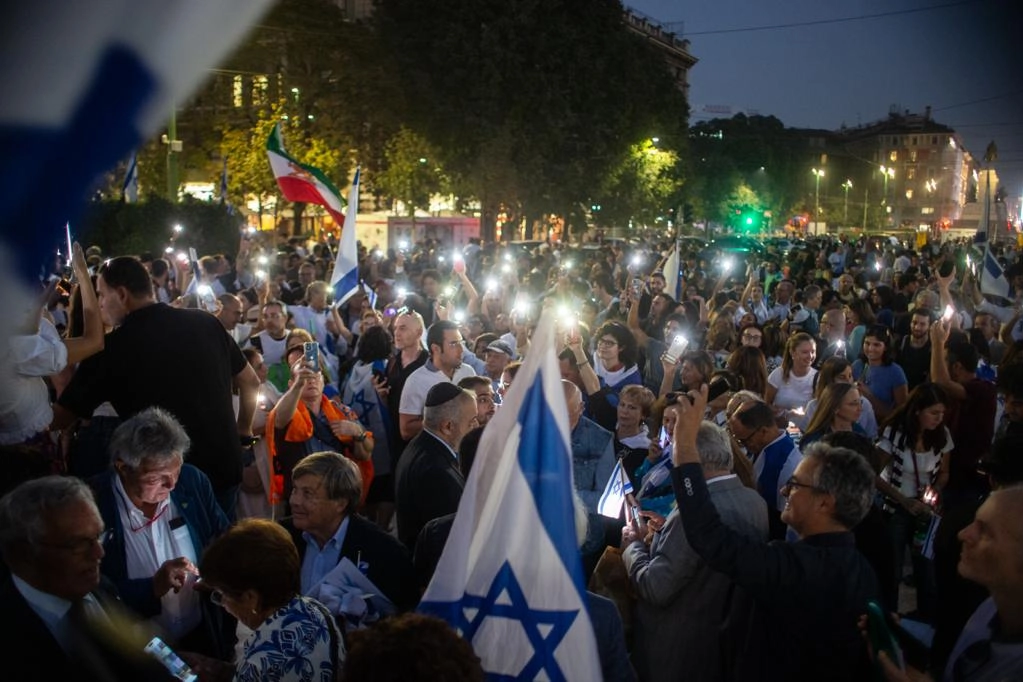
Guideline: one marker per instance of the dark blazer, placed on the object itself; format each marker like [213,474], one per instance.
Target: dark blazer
[193,496]
[30,652]
[428,485]
[389,566]
[809,594]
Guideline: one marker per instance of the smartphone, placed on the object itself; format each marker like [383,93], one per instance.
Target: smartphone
[881,638]
[311,354]
[718,387]
[159,650]
[677,348]
[840,349]
[206,298]
[949,312]
[637,286]
[945,269]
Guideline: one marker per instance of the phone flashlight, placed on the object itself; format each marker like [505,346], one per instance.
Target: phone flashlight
[262,260]
[878,266]
[727,264]
[949,312]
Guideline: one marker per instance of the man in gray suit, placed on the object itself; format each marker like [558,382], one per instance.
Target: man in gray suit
[688,616]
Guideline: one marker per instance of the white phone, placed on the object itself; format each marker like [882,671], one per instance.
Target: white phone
[677,348]
[159,650]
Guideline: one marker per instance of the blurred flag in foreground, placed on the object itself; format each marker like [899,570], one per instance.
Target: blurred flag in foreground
[84,83]
[510,579]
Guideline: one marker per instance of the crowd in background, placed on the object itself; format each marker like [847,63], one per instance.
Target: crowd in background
[236,387]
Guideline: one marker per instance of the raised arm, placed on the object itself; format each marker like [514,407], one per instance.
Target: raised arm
[91,341]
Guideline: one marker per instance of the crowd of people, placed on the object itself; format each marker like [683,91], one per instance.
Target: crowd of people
[225,457]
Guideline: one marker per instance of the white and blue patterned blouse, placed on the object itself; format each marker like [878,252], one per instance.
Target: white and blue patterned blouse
[298,643]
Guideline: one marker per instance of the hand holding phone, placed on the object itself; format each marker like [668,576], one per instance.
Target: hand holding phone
[678,346]
[881,637]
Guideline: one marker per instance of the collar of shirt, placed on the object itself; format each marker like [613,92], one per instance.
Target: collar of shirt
[336,540]
[450,449]
[49,608]
[135,515]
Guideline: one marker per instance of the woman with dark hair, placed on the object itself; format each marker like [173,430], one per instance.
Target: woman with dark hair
[773,345]
[790,387]
[860,317]
[365,392]
[882,298]
[616,356]
[918,444]
[694,369]
[749,364]
[721,337]
[255,574]
[838,409]
[879,379]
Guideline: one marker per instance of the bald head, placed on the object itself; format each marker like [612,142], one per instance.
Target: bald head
[574,401]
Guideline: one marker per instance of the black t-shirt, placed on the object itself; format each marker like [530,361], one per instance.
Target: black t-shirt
[181,360]
[396,377]
[915,362]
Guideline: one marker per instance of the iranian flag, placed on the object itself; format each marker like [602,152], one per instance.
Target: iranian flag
[299,182]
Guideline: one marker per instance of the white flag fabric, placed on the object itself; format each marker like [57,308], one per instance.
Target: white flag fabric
[510,578]
[992,277]
[130,187]
[613,497]
[672,273]
[84,83]
[345,278]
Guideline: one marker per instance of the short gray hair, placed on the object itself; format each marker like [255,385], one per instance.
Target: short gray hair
[340,477]
[25,510]
[151,434]
[434,416]
[847,476]
[714,447]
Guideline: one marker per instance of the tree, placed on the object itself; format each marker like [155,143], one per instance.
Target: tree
[642,188]
[411,174]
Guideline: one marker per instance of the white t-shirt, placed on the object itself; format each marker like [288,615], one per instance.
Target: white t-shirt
[419,383]
[926,461]
[796,392]
[24,399]
[273,349]
[313,322]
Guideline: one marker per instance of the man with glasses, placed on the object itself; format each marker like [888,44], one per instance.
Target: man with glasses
[445,365]
[833,341]
[51,537]
[774,455]
[809,594]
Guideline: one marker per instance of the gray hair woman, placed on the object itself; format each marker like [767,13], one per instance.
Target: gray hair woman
[163,515]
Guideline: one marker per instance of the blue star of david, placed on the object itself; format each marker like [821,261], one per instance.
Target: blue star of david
[364,406]
[518,609]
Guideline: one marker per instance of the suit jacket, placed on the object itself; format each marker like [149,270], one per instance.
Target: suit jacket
[681,601]
[428,485]
[30,651]
[809,594]
[389,566]
[193,496]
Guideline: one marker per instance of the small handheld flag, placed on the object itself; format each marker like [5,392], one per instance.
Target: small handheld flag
[613,497]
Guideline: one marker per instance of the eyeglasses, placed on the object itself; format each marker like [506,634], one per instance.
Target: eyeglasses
[607,342]
[743,441]
[752,337]
[217,597]
[793,484]
[80,546]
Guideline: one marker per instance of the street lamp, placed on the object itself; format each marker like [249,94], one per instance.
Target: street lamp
[817,174]
[847,185]
[886,172]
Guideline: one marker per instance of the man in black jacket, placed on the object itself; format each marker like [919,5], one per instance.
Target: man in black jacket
[808,594]
[326,491]
[429,483]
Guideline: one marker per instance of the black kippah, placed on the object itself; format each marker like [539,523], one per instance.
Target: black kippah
[442,393]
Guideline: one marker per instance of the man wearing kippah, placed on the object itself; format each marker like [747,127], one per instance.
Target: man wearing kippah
[428,482]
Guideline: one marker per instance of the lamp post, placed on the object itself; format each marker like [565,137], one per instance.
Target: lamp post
[817,174]
[847,185]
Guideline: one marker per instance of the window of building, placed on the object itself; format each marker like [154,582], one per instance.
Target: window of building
[910,173]
[238,90]
[909,194]
[259,88]
[927,210]
[893,155]
[934,140]
[912,141]
[895,142]
[912,154]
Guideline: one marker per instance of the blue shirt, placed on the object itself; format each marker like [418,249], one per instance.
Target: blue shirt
[773,466]
[318,562]
[882,380]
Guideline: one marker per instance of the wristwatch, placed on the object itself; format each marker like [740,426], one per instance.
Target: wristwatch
[362,436]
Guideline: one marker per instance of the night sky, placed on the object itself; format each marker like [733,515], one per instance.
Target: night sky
[963,58]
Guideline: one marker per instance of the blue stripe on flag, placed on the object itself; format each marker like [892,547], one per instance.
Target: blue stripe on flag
[101,131]
[545,462]
[991,266]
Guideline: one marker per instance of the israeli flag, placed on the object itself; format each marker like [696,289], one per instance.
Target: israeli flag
[613,497]
[345,278]
[113,71]
[130,188]
[510,579]
[992,278]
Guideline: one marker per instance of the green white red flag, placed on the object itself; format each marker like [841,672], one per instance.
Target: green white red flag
[301,182]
